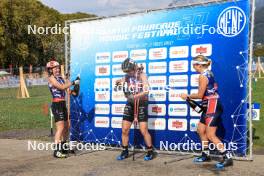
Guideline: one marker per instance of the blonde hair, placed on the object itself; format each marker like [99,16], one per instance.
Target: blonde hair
[202,60]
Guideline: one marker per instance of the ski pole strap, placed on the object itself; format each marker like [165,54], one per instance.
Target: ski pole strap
[136,106]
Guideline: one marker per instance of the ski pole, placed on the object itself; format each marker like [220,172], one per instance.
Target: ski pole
[136,106]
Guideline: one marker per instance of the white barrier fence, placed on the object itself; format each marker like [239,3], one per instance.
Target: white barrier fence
[13,81]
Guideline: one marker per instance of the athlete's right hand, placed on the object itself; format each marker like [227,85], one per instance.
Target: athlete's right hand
[184,96]
[118,85]
[76,82]
[78,78]
[118,82]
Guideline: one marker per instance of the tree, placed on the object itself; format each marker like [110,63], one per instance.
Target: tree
[17,47]
[259,50]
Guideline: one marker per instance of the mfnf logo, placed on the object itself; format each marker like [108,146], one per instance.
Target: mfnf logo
[231,21]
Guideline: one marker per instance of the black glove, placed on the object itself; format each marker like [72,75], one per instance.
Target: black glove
[76,81]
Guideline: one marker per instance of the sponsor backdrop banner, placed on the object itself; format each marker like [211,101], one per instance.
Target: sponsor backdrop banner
[164,42]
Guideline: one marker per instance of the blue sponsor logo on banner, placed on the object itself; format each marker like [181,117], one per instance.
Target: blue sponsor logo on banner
[231,21]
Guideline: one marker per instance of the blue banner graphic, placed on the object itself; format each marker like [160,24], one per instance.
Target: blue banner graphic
[165,42]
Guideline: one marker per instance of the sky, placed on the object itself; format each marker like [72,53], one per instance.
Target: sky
[105,7]
[115,7]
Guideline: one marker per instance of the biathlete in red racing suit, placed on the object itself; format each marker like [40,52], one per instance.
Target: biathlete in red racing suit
[207,91]
[58,86]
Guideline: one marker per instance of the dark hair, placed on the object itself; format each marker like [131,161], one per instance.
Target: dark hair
[128,65]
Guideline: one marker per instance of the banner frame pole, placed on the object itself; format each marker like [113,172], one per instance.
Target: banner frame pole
[67,64]
[253,7]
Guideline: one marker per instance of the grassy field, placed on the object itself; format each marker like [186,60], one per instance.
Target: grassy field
[28,113]
[23,113]
[258,96]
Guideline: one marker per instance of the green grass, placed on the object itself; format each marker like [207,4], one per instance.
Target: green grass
[23,113]
[258,96]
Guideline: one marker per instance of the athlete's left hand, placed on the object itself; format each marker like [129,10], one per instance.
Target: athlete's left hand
[184,96]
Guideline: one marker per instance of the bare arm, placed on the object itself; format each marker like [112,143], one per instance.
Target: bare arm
[56,84]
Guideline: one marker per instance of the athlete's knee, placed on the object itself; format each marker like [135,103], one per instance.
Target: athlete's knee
[211,135]
[125,131]
[144,131]
[59,130]
[201,131]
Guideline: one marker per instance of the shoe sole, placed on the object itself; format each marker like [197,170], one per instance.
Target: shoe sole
[218,166]
[120,159]
[60,157]
[149,158]
[200,162]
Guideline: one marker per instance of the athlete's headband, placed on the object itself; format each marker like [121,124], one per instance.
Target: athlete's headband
[200,62]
